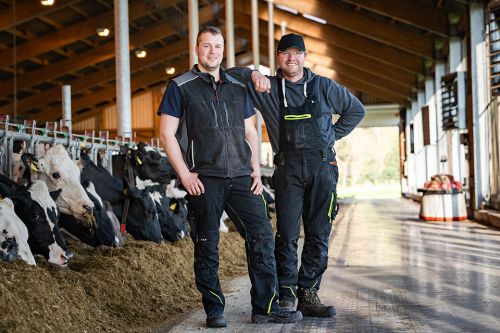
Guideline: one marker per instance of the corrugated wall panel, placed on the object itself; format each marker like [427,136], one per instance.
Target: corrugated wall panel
[87,124]
[142,111]
[110,118]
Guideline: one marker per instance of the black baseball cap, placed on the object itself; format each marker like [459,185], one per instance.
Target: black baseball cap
[291,40]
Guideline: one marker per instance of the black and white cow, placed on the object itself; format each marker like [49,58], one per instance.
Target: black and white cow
[147,164]
[35,206]
[13,235]
[99,231]
[172,215]
[59,172]
[142,219]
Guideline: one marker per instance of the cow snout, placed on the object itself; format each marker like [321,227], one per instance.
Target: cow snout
[88,209]
[8,244]
[8,250]
[64,260]
[68,254]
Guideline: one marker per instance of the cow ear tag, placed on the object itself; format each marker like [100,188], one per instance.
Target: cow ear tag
[173,206]
[33,166]
[138,160]
[125,191]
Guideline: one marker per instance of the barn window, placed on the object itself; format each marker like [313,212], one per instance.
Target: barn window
[493,29]
[426,126]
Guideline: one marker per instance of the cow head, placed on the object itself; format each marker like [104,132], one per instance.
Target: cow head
[37,209]
[150,164]
[59,172]
[105,232]
[13,235]
[142,220]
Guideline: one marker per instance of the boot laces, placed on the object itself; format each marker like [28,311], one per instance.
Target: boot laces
[311,296]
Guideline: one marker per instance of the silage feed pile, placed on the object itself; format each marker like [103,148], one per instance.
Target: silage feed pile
[137,288]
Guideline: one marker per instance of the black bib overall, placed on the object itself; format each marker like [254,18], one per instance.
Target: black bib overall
[305,181]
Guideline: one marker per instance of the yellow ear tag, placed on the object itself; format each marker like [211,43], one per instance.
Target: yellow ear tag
[33,166]
[173,206]
[138,160]
[125,191]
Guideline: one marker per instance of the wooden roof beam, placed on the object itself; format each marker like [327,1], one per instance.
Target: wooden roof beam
[73,33]
[139,81]
[421,14]
[97,78]
[29,9]
[366,26]
[333,53]
[315,61]
[340,38]
[98,54]
[350,84]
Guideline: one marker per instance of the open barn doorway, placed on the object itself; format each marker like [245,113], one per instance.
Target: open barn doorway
[368,161]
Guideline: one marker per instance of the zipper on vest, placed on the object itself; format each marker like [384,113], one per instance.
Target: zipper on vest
[223,128]
[227,114]
[215,114]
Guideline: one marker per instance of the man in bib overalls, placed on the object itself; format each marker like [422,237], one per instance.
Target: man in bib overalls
[297,106]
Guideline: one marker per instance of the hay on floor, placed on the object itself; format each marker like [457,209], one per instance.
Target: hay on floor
[136,288]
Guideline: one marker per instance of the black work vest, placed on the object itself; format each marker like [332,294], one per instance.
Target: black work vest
[213,116]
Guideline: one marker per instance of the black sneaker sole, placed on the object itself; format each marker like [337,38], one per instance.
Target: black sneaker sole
[274,319]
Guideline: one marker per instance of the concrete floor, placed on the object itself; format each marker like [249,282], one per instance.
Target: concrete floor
[390,272]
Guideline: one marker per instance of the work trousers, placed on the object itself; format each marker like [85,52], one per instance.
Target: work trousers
[249,214]
[306,188]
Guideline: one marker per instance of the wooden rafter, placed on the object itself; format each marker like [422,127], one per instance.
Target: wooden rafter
[339,37]
[96,55]
[144,79]
[333,53]
[28,9]
[419,13]
[74,32]
[97,78]
[324,62]
[366,26]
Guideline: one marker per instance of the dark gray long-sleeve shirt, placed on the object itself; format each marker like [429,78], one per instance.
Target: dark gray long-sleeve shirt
[332,99]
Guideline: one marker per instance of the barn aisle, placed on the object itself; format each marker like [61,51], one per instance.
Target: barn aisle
[390,272]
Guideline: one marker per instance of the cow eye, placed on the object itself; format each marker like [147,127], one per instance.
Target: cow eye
[56,175]
[35,217]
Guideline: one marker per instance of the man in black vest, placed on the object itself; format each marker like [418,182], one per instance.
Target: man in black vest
[221,172]
[297,106]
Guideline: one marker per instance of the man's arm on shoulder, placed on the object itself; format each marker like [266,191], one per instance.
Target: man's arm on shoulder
[263,96]
[350,109]
[243,74]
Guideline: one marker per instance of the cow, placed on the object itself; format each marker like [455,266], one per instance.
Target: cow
[171,215]
[102,232]
[147,164]
[13,235]
[142,219]
[35,206]
[59,172]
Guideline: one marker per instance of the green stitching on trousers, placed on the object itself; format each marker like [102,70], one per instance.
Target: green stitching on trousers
[331,208]
[220,300]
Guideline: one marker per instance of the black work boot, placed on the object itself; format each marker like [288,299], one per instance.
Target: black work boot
[287,304]
[311,306]
[287,298]
[281,317]
[216,321]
